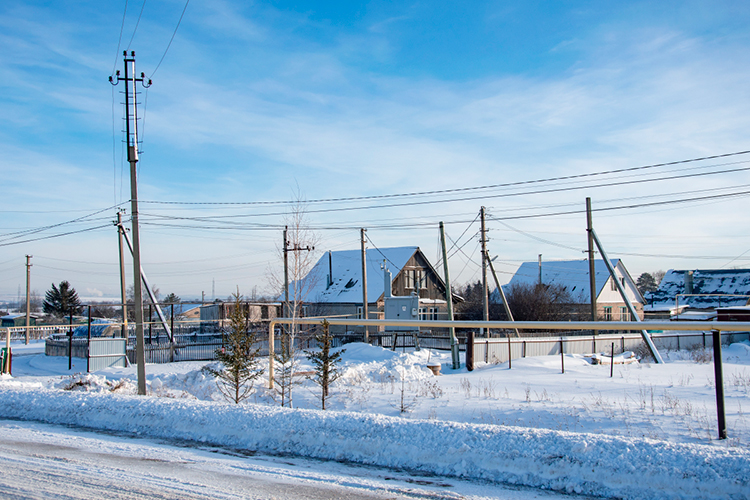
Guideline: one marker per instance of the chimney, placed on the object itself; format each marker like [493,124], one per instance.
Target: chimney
[330,270]
[386,281]
[688,282]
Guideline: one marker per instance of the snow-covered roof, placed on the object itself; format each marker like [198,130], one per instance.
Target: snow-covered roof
[346,270]
[573,275]
[706,281]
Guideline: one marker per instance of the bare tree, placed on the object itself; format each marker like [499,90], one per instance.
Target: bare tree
[540,302]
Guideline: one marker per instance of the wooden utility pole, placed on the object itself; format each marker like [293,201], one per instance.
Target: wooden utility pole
[485,297]
[449,299]
[123,292]
[364,282]
[131,135]
[285,307]
[28,302]
[592,267]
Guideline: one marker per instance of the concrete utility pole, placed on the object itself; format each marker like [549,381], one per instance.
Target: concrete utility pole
[131,135]
[123,292]
[364,283]
[485,297]
[28,301]
[592,269]
[449,299]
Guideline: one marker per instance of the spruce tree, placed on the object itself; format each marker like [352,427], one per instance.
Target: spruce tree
[62,301]
[239,357]
[325,362]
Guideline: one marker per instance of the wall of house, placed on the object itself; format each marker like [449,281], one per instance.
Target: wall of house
[430,285]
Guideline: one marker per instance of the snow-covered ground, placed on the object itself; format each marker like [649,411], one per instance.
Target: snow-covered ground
[648,432]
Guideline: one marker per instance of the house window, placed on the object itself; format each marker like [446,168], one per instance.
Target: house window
[428,313]
[624,314]
[607,313]
[613,284]
[414,279]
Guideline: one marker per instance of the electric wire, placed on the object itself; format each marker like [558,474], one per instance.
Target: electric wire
[19,234]
[490,196]
[55,235]
[136,25]
[170,40]
[473,188]
[119,40]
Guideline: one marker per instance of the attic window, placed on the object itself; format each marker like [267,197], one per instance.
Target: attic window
[350,283]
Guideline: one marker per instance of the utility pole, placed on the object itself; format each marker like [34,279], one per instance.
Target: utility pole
[285,306]
[592,270]
[364,283]
[449,299]
[123,292]
[28,302]
[131,136]
[485,297]
[285,312]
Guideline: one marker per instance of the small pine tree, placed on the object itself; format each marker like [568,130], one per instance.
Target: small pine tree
[324,362]
[62,301]
[239,357]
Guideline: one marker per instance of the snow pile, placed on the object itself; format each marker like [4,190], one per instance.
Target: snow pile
[608,466]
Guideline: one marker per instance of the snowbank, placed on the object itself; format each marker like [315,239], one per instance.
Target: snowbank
[599,465]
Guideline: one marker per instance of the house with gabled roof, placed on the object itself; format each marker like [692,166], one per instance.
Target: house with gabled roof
[333,286]
[697,294]
[573,277]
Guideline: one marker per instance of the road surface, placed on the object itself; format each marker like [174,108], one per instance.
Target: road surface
[40,461]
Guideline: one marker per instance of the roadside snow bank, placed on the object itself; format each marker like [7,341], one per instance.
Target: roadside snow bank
[607,466]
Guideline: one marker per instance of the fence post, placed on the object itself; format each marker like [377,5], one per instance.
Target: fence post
[612,362]
[470,351]
[88,343]
[562,355]
[719,379]
[510,353]
[523,349]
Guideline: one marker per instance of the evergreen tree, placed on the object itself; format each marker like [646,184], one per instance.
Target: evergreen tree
[172,298]
[239,357]
[646,283]
[324,362]
[62,301]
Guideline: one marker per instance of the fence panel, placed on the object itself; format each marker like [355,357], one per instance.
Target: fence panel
[105,353]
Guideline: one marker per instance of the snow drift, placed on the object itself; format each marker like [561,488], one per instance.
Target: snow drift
[592,464]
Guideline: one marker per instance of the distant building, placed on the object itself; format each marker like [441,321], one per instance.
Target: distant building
[17,320]
[573,276]
[218,313]
[333,287]
[697,294]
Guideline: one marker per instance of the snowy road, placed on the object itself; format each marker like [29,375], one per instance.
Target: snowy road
[40,461]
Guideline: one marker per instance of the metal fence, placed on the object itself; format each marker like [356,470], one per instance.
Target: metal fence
[500,350]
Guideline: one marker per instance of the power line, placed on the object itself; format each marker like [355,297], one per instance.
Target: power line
[136,27]
[170,40]
[455,190]
[490,196]
[55,235]
[19,234]
[119,40]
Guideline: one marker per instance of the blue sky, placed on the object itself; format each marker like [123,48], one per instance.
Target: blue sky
[266,101]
